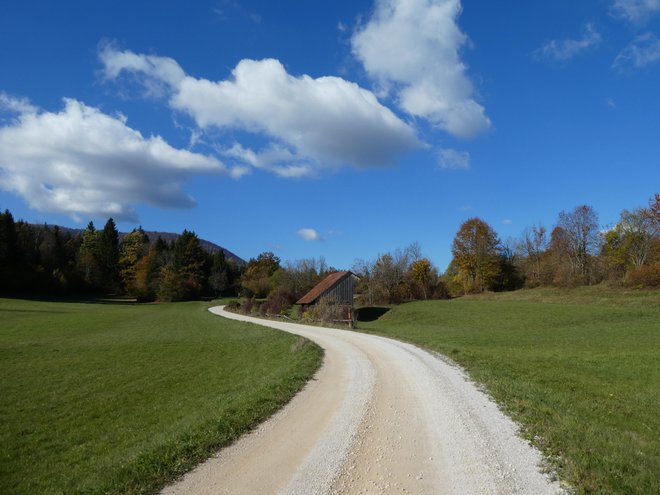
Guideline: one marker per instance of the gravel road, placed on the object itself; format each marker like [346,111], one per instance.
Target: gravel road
[380,416]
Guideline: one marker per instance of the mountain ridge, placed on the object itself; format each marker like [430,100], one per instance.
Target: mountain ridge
[153,235]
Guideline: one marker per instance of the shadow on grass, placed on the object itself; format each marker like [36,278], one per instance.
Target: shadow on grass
[371,313]
[80,299]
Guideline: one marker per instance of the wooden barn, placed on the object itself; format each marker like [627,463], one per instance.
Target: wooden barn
[338,287]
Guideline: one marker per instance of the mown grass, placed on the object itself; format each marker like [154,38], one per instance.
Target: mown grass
[122,398]
[579,370]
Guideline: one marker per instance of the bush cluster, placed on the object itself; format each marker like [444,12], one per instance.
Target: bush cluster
[327,311]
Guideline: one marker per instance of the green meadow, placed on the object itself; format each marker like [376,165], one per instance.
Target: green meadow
[113,397]
[578,369]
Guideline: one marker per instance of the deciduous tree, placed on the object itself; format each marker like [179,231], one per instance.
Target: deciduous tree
[148,270]
[531,248]
[476,254]
[134,246]
[653,213]
[582,237]
[364,269]
[630,241]
[299,277]
[389,274]
[258,279]
[423,273]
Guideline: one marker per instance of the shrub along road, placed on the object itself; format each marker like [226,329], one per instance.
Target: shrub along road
[381,416]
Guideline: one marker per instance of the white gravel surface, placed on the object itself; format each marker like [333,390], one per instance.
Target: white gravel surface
[380,416]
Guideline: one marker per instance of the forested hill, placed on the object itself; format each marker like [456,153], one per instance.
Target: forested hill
[168,237]
[208,246]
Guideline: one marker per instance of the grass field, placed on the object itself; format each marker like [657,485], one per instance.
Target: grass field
[579,369]
[121,398]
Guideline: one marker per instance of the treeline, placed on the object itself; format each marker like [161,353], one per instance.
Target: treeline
[577,251]
[280,284]
[399,276]
[394,277]
[43,260]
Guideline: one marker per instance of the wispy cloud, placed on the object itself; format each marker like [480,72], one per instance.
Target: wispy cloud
[14,105]
[232,9]
[451,159]
[277,159]
[635,11]
[561,50]
[644,50]
[507,221]
[309,234]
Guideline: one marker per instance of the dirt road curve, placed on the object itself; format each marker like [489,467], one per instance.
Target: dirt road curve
[379,417]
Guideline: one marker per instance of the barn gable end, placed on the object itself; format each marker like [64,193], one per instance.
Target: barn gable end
[337,287]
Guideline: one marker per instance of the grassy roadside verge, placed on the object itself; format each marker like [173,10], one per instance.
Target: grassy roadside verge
[122,398]
[580,370]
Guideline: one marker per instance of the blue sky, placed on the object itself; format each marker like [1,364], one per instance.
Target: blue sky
[341,129]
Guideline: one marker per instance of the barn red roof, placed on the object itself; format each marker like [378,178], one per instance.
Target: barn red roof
[324,285]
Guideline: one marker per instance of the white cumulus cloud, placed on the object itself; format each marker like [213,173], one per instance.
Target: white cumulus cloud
[453,159]
[309,234]
[570,48]
[310,123]
[80,161]
[412,48]
[642,51]
[635,11]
